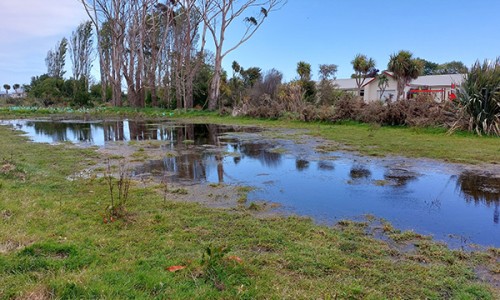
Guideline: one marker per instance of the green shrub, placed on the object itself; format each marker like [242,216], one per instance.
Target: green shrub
[479,98]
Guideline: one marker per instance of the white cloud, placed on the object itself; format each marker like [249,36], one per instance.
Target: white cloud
[25,19]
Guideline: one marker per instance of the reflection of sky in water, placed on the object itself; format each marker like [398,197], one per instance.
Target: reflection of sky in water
[434,201]
[428,203]
[92,133]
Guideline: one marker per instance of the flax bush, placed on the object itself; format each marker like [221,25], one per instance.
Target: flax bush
[479,98]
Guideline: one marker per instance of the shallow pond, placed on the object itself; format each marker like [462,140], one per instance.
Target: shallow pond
[453,205]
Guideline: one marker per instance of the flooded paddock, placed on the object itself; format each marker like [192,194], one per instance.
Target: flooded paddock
[450,202]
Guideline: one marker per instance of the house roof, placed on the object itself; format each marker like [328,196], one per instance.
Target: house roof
[345,84]
[429,80]
[438,80]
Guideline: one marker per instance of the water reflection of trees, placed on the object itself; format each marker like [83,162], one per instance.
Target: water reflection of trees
[120,130]
[113,131]
[400,177]
[58,131]
[481,188]
[359,172]
[259,151]
[326,165]
[301,164]
[188,166]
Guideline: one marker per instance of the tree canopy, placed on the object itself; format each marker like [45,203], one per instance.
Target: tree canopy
[405,68]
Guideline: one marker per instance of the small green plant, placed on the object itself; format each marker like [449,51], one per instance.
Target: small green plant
[179,191]
[213,265]
[243,193]
[10,169]
[118,198]
[254,206]
[164,183]
[242,199]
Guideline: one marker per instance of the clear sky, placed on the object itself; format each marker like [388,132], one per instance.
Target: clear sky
[315,31]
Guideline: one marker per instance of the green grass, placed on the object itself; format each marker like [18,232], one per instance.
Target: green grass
[54,243]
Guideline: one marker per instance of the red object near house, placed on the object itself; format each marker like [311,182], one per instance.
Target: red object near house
[426,91]
[452,96]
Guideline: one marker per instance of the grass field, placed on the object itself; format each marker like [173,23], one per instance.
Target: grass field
[54,242]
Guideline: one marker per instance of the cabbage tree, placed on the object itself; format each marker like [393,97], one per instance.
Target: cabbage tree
[405,68]
[362,66]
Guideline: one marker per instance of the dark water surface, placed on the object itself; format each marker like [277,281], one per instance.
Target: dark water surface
[458,207]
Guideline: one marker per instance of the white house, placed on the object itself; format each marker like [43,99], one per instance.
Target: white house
[442,87]
[19,94]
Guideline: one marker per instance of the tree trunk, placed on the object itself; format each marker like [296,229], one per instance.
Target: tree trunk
[214,93]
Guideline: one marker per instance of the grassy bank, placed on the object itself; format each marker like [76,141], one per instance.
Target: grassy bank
[55,244]
[434,143]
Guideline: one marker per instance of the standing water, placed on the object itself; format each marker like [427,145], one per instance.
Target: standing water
[425,196]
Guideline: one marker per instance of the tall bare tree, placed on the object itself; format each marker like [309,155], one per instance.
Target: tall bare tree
[133,56]
[81,54]
[113,14]
[218,15]
[56,59]
[187,59]
[158,25]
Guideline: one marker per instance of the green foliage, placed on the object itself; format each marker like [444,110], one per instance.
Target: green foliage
[96,91]
[213,265]
[308,86]
[479,96]
[251,76]
[405,68]
[201,85]
[57,91]
[49,89]
[453,67]
[428,67]
[364,67]
[432,68]
[327,71]
[304,71]
[325,90]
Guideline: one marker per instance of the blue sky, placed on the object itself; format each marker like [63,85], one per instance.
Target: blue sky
[315,31]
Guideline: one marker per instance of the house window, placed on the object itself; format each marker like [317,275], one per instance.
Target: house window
[362,93]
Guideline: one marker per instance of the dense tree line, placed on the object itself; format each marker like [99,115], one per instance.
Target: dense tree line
[152,52]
